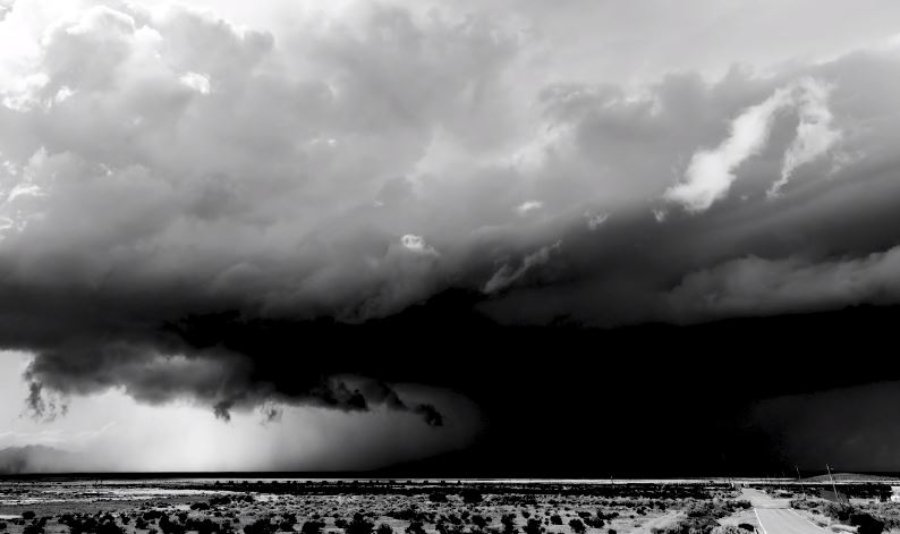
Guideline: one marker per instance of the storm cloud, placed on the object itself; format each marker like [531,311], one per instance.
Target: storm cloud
[178,190]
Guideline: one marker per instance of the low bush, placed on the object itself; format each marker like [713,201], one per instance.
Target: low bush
[312,527]
[360,525]
[533,527]
[471,496]
[260,526]
[866,523]
[577,526]
[689,525]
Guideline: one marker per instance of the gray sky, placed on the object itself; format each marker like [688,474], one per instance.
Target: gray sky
[602,162]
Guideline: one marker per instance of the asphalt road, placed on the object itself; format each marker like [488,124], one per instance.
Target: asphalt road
[785,521]
[776,517]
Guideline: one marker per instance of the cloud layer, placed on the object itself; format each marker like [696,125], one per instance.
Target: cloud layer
[173,183]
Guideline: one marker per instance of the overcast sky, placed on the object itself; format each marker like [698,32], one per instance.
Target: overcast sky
[191,191]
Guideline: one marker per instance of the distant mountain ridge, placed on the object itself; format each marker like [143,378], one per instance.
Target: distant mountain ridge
[851,477]
[37,459]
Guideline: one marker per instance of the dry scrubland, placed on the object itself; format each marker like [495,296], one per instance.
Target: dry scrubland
[373,508]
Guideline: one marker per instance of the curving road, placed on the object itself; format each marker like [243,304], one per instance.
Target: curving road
[776,517]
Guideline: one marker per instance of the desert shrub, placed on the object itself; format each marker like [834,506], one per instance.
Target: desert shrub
[479,521]
[287,522]
[360,525]
[715,509]
[415,527]
[409,514]
[866,523]
[220,500]
[384,528]
[444,528]
[689,525]
[312,527]
[471,496]
[167,526]
[556,520]
[803,504]
[577,526]
[33,529]
[533,527]
[341,523]
[260,526]
[836,511]
[200,506]
[28,515]
[611,531]
[106,524]
[109,527]
[509,522]
[202,526]
[3,525]
[437,496]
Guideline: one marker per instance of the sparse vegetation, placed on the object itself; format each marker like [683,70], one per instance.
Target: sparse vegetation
[865,521]
[377,507]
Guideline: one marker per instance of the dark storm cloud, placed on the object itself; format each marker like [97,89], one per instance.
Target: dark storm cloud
[192,209]
[743,240]
[849,428]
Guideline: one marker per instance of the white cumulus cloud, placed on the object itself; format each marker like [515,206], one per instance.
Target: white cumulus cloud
[711,172]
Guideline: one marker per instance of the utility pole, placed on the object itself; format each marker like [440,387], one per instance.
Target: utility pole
[798,472]
[833,486]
